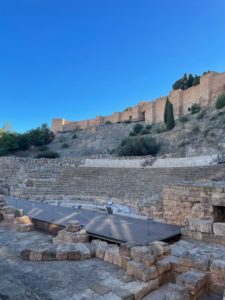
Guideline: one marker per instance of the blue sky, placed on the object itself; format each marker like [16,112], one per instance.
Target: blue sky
[81,58]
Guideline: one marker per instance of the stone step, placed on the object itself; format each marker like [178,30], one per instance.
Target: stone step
[194,281]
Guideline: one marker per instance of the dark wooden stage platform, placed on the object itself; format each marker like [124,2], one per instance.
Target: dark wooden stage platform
[115,228]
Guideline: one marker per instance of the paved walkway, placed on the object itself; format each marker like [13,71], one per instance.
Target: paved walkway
[115,227]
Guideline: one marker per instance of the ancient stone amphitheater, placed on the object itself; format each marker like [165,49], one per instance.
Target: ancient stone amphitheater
[173,191]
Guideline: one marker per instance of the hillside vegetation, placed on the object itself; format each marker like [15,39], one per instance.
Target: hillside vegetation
[200,132]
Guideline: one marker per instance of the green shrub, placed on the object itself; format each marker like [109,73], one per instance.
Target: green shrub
[61,139]
[160,129]
[48,154]
[213,118]
[132,133]
[183,119]
[74,136]
[195,129]
[108,122]
[144,131]
[148,127]
[43,148]
[220,102]
[137,146]
[137,128]
[65,145]
[220,113]
[195,108]
[3,152]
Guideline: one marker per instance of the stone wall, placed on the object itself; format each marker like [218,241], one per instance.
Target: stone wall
[211,86]
[198,206]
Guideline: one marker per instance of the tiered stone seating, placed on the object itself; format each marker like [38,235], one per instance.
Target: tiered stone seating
[135,187]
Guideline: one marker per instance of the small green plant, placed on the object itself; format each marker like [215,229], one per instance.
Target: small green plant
[213,118]
[132,133]
[148,127]
[195,108]
[220,102]
[65,145]
[61,139]
[200,115]
[195,129]
[108,122]
[48,154]
[43,148]
[160,129]
[183,119]
[137,128]
[144,131]
[74,136]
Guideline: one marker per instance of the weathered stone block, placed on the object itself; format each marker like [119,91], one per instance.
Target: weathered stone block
[84,251]
[25,254]
[195,260]
[9,218]
[193,281]
[8,210]
[71,237]
[35,255]
[73,226]
[159,248]
[49,254]
[112,255]
[25,227]
[141,271]
[148,259]
[74,253]
[163,266]
[218,267]
[124,261]
[101,248]
[22,220]
[138,253]
[62,251]
[204,226]
[170,292]
[219,229]
[124,249]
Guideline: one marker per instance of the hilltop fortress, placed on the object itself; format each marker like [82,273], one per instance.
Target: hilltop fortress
[211,86]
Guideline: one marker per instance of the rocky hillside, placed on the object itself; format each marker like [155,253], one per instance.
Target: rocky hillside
[194,134]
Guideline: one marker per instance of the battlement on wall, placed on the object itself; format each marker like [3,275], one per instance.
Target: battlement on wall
[211,86]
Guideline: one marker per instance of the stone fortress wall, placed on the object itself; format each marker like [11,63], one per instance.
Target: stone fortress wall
[211,86]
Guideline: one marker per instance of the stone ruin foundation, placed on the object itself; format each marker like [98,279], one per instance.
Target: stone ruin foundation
[187,269]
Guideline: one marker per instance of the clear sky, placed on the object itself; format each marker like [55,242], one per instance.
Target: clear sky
[81,58]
